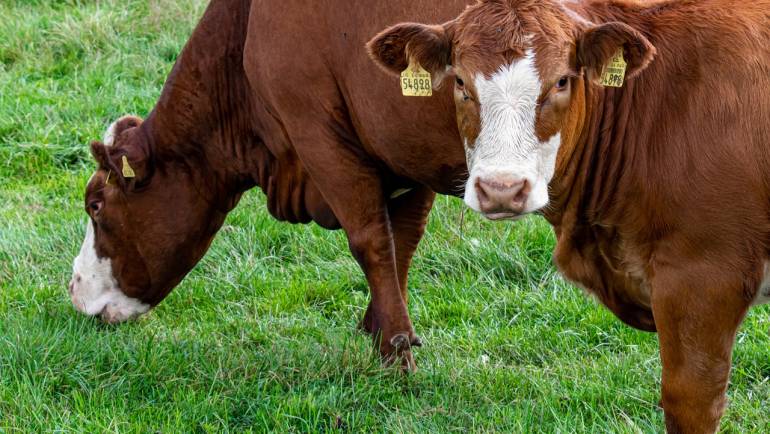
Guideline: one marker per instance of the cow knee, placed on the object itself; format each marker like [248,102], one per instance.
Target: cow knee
[371,245]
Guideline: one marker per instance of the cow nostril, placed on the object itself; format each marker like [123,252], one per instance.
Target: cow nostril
[502,195]
[480,192]
[521,197]
[71,287]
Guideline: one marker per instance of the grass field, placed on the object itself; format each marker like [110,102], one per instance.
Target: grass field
[261,336]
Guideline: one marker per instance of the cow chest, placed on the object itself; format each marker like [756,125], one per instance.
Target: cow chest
[609,268]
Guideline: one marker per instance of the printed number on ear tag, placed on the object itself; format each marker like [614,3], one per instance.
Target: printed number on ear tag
[128,172]
[615,72]
[415,81]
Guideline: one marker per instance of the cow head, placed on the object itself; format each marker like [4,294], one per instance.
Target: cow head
[148,225]
[519,68]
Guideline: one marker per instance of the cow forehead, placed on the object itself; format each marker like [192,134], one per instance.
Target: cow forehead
[496,33]
[514,85]
[482,44]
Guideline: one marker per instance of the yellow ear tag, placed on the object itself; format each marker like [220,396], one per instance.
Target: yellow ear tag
[614,73]
[415,81]
[128,172]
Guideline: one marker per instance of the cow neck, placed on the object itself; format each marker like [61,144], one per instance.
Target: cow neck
[594,163]
[201,121]
[594,159]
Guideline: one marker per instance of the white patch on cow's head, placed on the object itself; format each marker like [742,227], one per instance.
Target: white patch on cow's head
[109,135]
[507,150]
[93,288]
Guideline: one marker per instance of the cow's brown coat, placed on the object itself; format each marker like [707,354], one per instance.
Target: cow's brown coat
[661,195]
[281,96]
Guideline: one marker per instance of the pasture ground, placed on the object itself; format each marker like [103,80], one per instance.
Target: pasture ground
[261,336]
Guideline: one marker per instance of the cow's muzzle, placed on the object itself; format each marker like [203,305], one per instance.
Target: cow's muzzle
[502,197]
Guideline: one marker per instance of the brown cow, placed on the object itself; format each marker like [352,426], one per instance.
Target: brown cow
[282,96]
[659,190]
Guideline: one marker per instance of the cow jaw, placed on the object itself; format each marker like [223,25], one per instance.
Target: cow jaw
[93,288]
[510,168]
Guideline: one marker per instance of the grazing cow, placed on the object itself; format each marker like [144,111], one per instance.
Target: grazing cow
[658,190]
[282,96]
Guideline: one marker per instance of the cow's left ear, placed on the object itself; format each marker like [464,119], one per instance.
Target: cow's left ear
[125,153]
[430,45]
[119,126]
[595,47]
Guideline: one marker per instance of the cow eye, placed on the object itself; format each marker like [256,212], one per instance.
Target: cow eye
[562,83]
[461,86]
[95,206]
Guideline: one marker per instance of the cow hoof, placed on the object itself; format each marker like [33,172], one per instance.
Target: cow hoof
[406,359]
[400,341]
[400,350]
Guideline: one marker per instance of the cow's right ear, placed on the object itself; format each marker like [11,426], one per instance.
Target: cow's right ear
[394,48]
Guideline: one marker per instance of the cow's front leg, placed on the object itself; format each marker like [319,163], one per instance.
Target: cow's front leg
[697,321]
[353,190]
[408,216]
[373,248]
[351,182]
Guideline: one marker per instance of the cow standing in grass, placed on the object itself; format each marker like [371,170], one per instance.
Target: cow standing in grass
[659,190]
[282,96]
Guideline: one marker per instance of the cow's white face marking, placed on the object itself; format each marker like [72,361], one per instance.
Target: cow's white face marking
[93,288]
[763,294]
[507,145]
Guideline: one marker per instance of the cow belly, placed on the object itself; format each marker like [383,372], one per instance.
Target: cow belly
[763,295]
[299,201]
[291,194]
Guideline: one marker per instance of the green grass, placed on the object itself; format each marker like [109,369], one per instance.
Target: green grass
[261,336]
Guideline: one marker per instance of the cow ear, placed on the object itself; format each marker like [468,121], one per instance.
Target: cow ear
[100,154]
[119,126]
[125,153]
[597,45]
[430,45]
